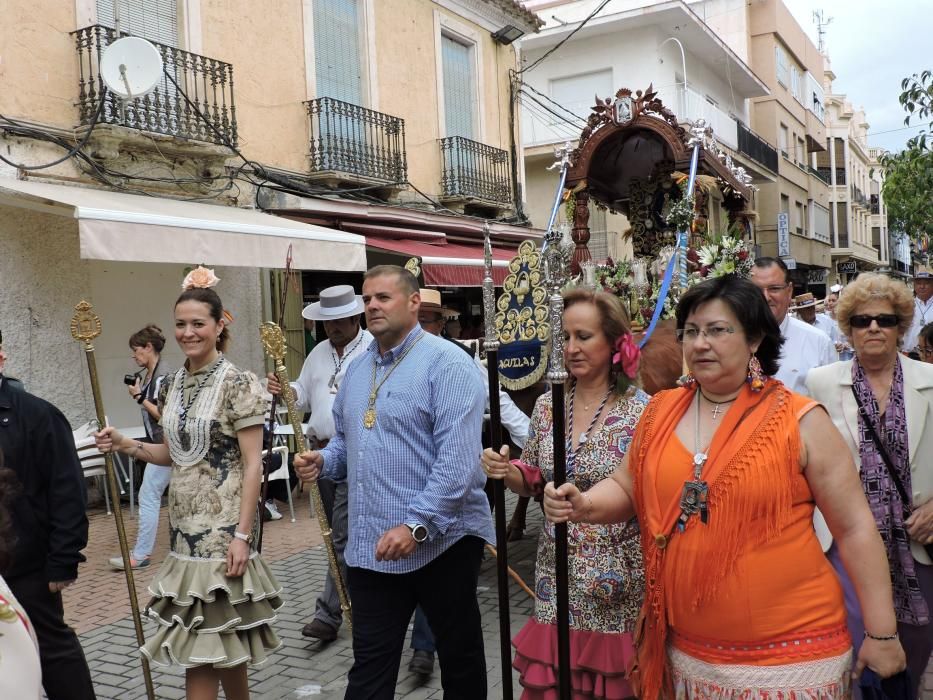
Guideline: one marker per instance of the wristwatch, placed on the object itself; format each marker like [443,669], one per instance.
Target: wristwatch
[243,536]
[419,533]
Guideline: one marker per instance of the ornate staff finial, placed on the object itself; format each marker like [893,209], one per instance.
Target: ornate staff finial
[489,293]
[562,156]
[697,133]
[414,266]
[85,324]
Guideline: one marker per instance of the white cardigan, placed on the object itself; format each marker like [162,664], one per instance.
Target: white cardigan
[832,386]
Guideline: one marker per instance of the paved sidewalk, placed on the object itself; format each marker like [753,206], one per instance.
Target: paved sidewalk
[98,607]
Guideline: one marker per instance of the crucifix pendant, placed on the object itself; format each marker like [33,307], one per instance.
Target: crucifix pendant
[330,382]
[715,411]
[369,418]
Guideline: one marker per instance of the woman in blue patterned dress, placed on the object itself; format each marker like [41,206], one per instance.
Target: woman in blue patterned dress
[214,597]
[606,578]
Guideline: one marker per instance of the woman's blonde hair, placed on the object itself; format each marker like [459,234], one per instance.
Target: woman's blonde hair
[870,286]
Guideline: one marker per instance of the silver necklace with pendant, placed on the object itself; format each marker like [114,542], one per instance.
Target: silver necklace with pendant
[717,406]
[338,363]
[584,436]
[695,495]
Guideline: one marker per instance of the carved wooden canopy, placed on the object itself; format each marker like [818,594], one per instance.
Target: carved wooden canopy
[636,136]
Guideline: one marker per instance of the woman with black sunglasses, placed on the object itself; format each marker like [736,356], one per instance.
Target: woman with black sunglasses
[882,403]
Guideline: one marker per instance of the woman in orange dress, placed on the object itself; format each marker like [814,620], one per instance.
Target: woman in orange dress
[723,475]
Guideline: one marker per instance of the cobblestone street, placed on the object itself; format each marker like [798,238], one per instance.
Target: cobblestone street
[97,607]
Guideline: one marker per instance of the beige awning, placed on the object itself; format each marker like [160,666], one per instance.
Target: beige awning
[134,228]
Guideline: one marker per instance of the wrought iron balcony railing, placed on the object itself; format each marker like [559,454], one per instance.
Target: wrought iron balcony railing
[756,148]
[821,173]
[474,170]
[352,140]
[208,83]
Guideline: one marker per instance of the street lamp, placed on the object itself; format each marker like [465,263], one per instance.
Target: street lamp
[507,34]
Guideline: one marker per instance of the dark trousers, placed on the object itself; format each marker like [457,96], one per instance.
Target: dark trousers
[382,606]
[65,675]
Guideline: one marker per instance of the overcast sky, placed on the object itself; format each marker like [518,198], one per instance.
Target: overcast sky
[873,45]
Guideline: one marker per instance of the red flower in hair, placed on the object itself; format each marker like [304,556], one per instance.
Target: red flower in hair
[627,355]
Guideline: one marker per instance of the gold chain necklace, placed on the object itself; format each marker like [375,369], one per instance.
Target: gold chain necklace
[369,416]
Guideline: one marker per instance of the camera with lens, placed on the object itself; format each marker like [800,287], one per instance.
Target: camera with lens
[129,379]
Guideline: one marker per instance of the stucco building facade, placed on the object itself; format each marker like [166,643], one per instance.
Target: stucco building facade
[355,130]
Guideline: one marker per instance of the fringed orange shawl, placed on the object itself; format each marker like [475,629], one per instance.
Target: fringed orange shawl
[753,459]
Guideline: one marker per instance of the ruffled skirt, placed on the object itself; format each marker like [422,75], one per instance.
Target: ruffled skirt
[207,618]
[598,663]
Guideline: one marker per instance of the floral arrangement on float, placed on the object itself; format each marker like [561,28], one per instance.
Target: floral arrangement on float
[638,282]
[727,254]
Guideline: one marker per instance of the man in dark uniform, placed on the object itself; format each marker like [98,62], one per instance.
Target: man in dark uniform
[50,525]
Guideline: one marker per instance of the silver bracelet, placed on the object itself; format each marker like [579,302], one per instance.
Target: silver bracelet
[888,638]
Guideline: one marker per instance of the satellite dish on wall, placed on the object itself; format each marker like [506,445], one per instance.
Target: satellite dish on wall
[131,67]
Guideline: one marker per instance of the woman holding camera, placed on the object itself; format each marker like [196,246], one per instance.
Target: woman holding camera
[143,387]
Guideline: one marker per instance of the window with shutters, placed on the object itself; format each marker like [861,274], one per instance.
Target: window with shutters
[338,61]
[575,93]
[156,20]
[459,75]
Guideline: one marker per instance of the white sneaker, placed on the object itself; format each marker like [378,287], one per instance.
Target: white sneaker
[272,512]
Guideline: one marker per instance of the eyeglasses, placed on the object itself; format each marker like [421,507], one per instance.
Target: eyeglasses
[864,320]
[925,351]
[712,333]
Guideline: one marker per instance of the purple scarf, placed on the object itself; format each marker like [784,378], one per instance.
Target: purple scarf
[883,498]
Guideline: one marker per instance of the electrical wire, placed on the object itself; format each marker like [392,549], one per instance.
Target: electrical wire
[574,115]
[578,125]
[566,38]
[563,129]
[71,151]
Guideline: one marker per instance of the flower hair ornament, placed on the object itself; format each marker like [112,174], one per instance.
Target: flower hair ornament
[200,278]
[625,362]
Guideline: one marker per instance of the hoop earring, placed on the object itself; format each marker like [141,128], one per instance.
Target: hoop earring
[756,378]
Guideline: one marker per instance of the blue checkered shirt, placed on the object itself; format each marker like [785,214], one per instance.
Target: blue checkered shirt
[420,463]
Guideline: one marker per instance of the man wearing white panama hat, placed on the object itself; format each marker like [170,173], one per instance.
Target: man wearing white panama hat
[315,390]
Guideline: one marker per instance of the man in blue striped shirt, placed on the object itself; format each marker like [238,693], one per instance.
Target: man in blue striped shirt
[408,419]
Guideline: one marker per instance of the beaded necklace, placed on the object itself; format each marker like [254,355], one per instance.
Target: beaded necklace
[584,436]
[338,362]
[187,423]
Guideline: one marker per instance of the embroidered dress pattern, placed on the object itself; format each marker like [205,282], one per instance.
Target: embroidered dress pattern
[204,616]
[823,679]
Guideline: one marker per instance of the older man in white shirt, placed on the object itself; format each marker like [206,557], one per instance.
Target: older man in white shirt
[805,346]
[923,309]
[315,389]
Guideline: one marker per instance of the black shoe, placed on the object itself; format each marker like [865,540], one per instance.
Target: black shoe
[422,662]
[321,630]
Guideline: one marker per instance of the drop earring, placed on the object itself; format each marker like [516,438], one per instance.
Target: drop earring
[756,378]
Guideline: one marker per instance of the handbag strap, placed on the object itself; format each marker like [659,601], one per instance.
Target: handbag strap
[884,455]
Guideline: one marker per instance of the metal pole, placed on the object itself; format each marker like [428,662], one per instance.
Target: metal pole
[498,486]
[273,342]
[85,326]
[557,259]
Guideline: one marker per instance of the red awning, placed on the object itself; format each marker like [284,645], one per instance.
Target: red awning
[449,264]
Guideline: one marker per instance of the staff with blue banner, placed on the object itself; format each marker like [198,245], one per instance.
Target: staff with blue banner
[683,237]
